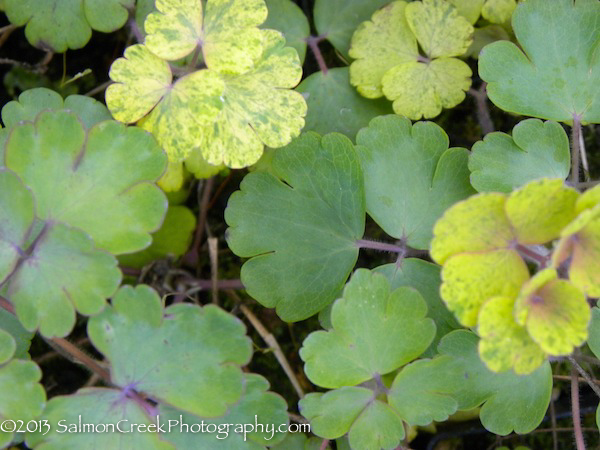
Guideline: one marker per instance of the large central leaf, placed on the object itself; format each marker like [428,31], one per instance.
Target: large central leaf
[300,227]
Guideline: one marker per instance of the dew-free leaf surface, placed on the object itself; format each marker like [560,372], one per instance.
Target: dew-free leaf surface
[287,17]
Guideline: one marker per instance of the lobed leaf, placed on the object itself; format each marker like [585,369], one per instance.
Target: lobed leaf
[287,17]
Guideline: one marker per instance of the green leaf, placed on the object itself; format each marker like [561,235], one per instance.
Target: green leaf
[61,272]
[425,278]
[440,30]
[229,118]
[98,409]
[287,17]
[370,422]
[536,150]
[226,32]
[555,313]
[504,343]
[202,345]
[486,35]
[334,105]
[594,332]
[171,241]
[299,226]
[337,19]
[8,346]
[411,177]
[99,180]
[23,397]
[10,324]
[469,9]
[556,75]
[378,45]
[61,24]
[510,402]
[239,428]
[375,331]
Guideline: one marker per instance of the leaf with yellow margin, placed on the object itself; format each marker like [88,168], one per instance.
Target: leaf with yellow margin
[470,279]
[227,32]
[439,28]
[540,210]
[379,44]
[422,90]
[555,313]
[473,225]
[504,344]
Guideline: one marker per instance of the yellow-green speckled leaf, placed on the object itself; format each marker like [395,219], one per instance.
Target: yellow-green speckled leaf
[197,165]
[580,241]
[469,9]
[504,344]
[439,28]
[141,80]
[540,210]
[555,313]
[473,225]
[378,45]
[498,11]
[470,279]
[228,33]
[172,179]
[423,89]
[588,199]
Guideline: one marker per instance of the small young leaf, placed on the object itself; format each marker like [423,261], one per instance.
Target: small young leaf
[98,409]
[335,106]
[23,397]
[536,149]
[299,226]
[498,11]
[287,17]
[411,177]
[337,19]
[202,344]
[99,180]
[172,240]
[556,75]
[555,313]
[375,331]
[469,9]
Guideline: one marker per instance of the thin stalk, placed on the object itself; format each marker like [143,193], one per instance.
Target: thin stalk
[586,376]
[313,43]
[382,246]
[577,431]
[483,112]
[575,149]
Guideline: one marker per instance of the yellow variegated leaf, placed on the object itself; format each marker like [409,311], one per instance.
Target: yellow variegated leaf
[423,89]
[469,9]
[588,199]
[580,241]
[473,225]
[439,28]
[141,80]
[540,210]
[498,11]
[504,344]
[197,165]
[228,32]
[172,179]
[378,45]
[554,312]
[470,279]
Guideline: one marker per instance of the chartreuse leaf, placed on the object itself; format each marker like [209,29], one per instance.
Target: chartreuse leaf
[370,423]
[536,149]
[10,324]
[226,31]
[23,397]
[335,106]
[378,45]
[580,241]
[510,402]
[469,9]
[287,17]
[61,24]
[375,331]
[16,220]
[504,343]
[337,19]
[498,11]
[299,226]
[239,428]
[228,118]
[425,278]
[99,180]
[411,177]
[440,30]
[594,332]
[202,345]
[172,240]
[557,74]
[99,409]
[555,313]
